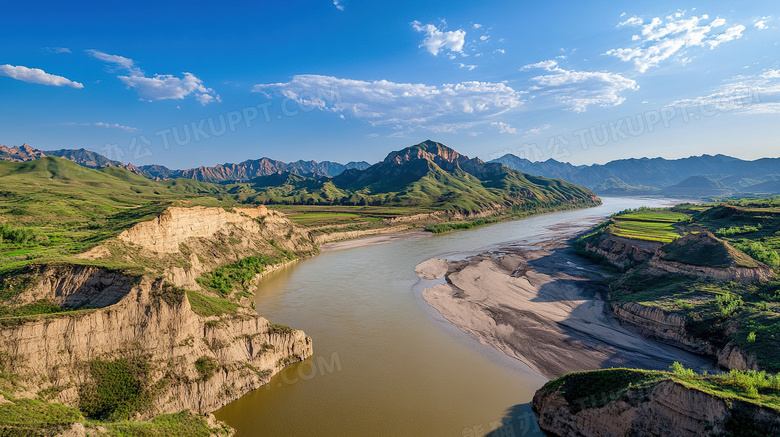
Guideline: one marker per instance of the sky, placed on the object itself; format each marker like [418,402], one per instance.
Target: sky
[185,84]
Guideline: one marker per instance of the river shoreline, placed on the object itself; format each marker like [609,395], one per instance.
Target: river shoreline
[540,303]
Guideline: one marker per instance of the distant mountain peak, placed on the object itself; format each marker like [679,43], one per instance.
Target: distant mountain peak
[20,153]
[427,150]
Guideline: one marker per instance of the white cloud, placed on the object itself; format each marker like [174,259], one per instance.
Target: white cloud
[57,49]
[338,5]
[402,106]
[36,75]
[470,67]
[437,40]
[502,51]
[755,94]
[547,65]
[732,33]
[761,23]
[477,26]
[166,86]
[161,86]
[580,89]
[674,36]
[504,128]
[119,62]
[103,124]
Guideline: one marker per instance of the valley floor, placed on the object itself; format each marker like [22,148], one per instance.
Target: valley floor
[541,305]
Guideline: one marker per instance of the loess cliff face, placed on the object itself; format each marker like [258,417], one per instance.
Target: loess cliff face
[666,408]
[660,266]
[183,243]
[623,252]
[116,315]
[656,260]
[657,323]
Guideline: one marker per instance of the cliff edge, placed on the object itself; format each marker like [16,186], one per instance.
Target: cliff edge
[140,328]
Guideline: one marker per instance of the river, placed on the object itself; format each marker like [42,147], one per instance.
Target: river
[385,363]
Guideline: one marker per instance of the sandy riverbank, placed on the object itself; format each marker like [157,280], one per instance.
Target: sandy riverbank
[540,304]
[372,240]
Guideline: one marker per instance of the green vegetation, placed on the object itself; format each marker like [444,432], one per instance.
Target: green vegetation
[315,219]
[427,175]
[117,389]
[11,236]
[206,367]
[43,306]
[238,276]
[440,228]
[279,329]
[746,314]
[758,251]
[647,224]
[169,293]
[737,230]
[596,388]
[207,306]
[34,417]
[57,208]
[52,209]
[183,424]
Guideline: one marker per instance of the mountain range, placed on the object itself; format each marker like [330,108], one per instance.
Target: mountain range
[221,173]
[427,174]
[713,175]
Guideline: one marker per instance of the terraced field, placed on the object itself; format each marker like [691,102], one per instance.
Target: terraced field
[648,225]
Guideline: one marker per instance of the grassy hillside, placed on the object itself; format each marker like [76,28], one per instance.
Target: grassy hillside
[741,233]
[427,175]
[52,207]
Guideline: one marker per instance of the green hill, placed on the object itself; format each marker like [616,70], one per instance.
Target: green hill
[699,186]
[67,208]
[617,186]
[432,175]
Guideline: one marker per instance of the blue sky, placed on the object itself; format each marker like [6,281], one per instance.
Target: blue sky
[194,83]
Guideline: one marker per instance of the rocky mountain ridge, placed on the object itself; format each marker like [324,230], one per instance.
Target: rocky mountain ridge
[220,173]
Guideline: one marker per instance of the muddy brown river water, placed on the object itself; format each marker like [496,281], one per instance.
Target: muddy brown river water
[385,363]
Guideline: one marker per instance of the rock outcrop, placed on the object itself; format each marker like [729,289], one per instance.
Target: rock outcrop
[661,325]
[623,252]
[732,357]
[21,153]
[661,266]
[670,328]
[665,408]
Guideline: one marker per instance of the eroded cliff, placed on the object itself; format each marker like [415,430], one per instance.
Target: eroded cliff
[131,308]
[641,404]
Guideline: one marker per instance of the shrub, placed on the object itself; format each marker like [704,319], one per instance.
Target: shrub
[19,236]
[728,304]
[117,388]
[206,367]
[680,371]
